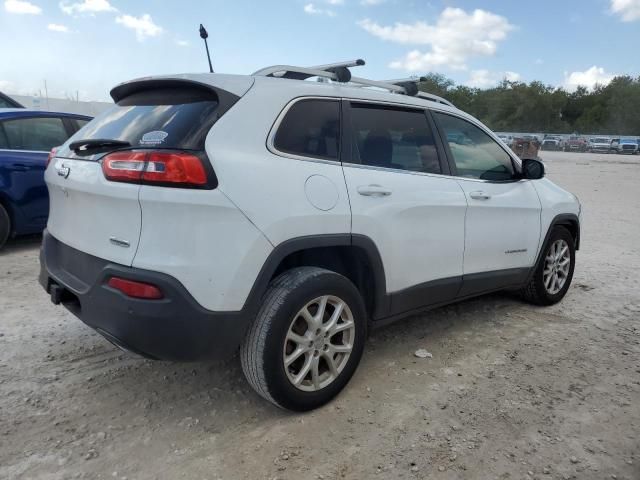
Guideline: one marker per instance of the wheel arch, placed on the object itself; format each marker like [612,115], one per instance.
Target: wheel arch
[571,222]
[354,256]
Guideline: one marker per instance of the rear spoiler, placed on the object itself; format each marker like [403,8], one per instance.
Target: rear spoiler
[228,88]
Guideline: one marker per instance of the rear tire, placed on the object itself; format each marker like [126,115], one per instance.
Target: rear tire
[554,271]
[307,339]
[5,226]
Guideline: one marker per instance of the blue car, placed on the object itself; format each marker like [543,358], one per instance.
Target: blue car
[26,138]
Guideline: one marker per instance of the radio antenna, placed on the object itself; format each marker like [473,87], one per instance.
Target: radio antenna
[204,35]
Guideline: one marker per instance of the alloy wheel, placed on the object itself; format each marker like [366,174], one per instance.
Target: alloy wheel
[557,266]
[318,344]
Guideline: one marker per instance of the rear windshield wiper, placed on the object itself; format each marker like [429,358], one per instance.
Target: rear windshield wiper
[83,146]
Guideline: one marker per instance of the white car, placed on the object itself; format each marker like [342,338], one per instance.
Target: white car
[208,213]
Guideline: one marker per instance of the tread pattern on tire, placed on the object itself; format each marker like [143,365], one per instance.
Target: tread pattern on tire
[252,348]
[530,292]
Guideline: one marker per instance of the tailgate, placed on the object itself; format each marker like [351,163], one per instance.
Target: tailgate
[91,214]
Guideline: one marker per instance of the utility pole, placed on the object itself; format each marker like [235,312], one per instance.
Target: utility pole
[204,35]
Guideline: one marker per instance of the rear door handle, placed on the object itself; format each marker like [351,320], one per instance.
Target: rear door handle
[479,195]
[20,167]
[373,191]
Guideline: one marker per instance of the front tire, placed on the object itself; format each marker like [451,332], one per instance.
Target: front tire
[554,272]
[307,339]
[5,226]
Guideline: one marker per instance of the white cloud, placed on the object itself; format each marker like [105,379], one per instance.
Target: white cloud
[143,26]
[486,79]
[589,78]
[311,9]
[55,27]
[22,7]
[456,36]
[629,10]
[87,7]
[182,43]
[368,3]
[335,2]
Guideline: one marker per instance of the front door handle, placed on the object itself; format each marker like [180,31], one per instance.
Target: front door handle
[373,191]
[480,195]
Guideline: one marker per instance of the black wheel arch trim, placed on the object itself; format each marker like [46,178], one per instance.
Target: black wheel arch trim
[559,220]
[284,249]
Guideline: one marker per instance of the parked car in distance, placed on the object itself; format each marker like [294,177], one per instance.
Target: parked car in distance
[628,146]
[599,144]
[575,143]
[361,207]
[7,102]
[26,138]
[507,139]
[552,142]
[526,146]
[613,146]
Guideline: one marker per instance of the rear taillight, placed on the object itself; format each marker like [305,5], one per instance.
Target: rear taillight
[172,169]
[51,156]
[135,289]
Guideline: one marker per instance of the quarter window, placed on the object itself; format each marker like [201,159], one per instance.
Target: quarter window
[393,138]
[311,128]
[474,152]
[41,134]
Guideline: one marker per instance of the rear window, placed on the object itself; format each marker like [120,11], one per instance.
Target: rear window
[174,118]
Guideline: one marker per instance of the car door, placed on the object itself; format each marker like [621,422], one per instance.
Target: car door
[402,199]
[25,143]
[502,226]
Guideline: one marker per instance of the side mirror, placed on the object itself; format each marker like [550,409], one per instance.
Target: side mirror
[532,169]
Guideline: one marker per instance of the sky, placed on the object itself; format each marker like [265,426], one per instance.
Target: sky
[85,47]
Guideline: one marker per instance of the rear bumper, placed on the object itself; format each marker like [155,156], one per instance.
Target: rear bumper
[173,328]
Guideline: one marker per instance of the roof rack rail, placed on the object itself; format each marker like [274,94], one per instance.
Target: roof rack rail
[340,72]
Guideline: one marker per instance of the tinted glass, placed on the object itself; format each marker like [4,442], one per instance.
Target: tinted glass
[5,103]
[80,123]
[159,118]
[393,138]
[311,128]
[475,153]
[40,134]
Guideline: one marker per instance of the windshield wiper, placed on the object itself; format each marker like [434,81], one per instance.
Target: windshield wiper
[83,146]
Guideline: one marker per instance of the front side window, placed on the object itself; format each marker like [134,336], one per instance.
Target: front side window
[310,128]
[40,134]
[474,152]
[393,138]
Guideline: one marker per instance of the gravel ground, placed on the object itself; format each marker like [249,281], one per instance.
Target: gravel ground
[512,391]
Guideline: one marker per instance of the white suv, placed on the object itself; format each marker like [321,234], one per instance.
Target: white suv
[205,213]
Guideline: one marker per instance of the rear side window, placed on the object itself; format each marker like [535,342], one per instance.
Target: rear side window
[474,152]
[175,118]
[393,138]
[310,128]
[38,134]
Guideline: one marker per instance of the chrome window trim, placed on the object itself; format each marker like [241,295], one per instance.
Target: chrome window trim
[397,170]
[274,128]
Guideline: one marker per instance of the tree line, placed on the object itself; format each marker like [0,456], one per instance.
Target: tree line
[535,107]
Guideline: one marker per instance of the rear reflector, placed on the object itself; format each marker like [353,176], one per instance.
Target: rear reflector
[171,169]
[132,288]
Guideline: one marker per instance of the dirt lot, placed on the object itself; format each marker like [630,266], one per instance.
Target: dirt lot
[512,391]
